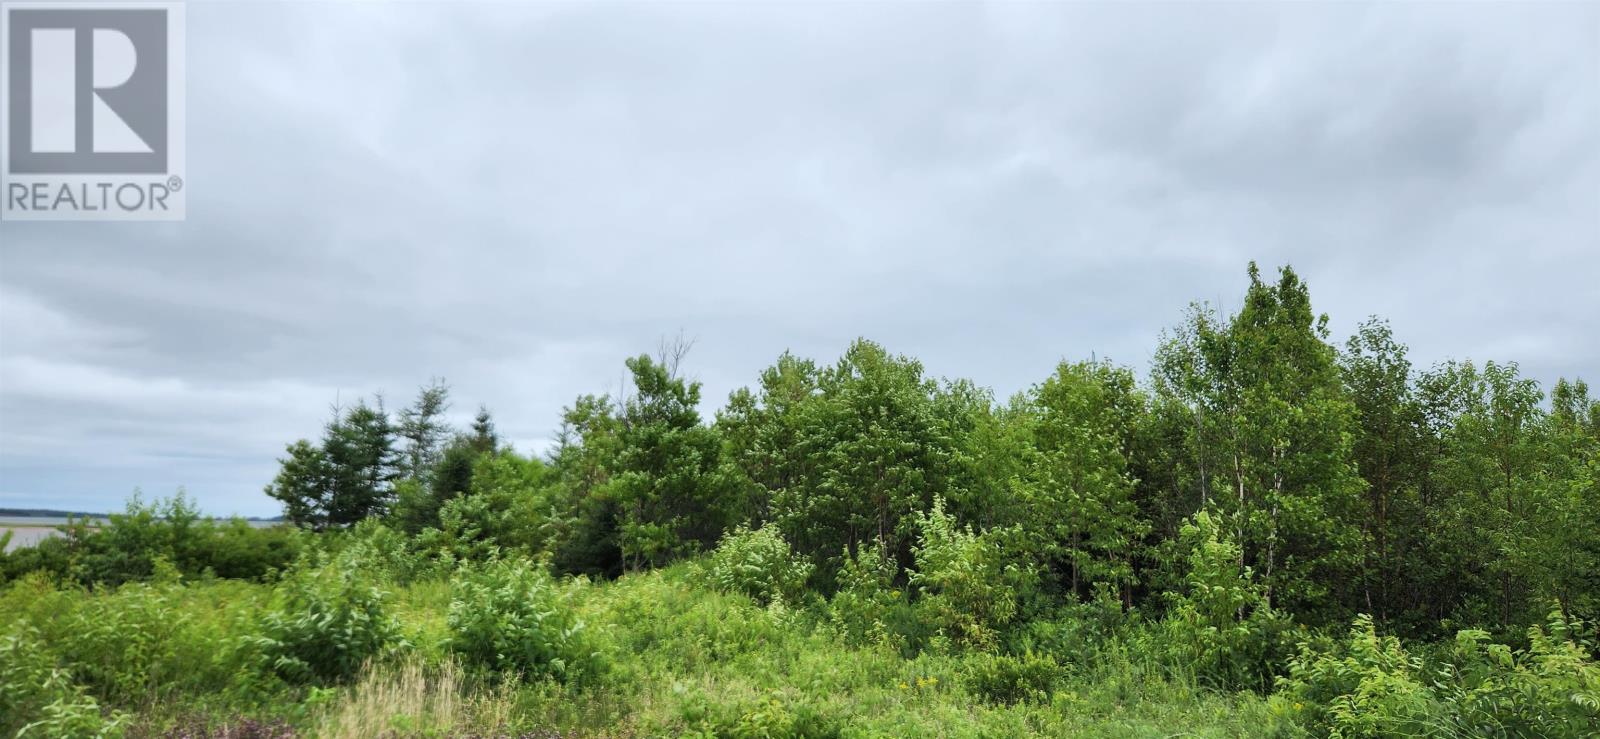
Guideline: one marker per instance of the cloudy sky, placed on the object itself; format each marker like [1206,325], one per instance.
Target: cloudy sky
[516,197]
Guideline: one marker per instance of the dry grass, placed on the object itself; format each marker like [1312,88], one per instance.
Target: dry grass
[404,700]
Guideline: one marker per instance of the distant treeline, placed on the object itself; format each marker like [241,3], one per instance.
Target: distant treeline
[45,513]
[50,513]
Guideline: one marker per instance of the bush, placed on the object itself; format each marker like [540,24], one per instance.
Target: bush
[327,619]
[1073,629]
[966,589]
[508,615]
[1006,679]
[1366,687]
[237,549]
[774,715]
[467,532]
[380,552]
[1369,686]
[37,698]
[1549,689]
[130,646]
[868,608]
[759,564]
[126,548]
[1221,628]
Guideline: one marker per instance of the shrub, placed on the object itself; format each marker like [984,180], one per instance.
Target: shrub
[1073,628]
[1549,689]
[1369,686]
[508,615]
[759,564]
[326,620]
[1006,679]
[868,608]
[382,553]
[966,589]
[1221,628]
[126,548]
[237,549]
[467,531]
[1366,687]
[774,715]
[52,556]
[129,646]
[37,698]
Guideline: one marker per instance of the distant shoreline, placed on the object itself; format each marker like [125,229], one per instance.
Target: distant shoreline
[14,513]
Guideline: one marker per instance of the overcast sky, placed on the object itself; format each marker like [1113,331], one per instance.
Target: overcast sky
[516,197]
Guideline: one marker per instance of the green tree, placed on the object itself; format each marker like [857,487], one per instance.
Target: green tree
[586,540]
[845,464]
[763,431]
[1388,445]
[424,432]
[1270,441]
[1573,518]
[418,500]
[344,480]
[1492,470]
[673,494]
[484,438]
[1084,507]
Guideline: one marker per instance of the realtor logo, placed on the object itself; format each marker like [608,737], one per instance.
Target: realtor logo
[91,111]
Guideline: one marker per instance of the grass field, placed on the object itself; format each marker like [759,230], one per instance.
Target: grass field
[678,659]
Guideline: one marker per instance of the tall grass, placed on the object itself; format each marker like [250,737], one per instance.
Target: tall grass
[404,699]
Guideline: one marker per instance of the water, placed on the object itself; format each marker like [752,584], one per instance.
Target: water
[27,531]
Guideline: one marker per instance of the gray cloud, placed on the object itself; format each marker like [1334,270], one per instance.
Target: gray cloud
[515,197]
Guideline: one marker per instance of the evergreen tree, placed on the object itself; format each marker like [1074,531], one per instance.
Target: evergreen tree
[424,431]
[346,479]
[673,495]
[484,438]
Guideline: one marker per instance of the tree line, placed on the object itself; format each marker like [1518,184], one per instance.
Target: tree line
[1335,478]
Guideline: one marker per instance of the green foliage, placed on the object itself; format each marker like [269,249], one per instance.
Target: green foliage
[510,507]
[1074,629]
[1082,512]
[509,616]
[39,699]
[673,495]
[422,431]
[127,546]
[1008,679]
[759,564]
[1268,441]
[867,607]
[1369,686]
[132,646]
[1552,688]
[774,715]
[436,475]
[967,590]
[327,618]
[844,456]
[1221,628]
[1093,556]
[346,478]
